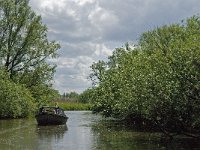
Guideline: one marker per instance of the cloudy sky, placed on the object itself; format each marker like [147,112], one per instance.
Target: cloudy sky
[89,30]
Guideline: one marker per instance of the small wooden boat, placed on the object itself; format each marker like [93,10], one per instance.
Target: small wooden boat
[51,115]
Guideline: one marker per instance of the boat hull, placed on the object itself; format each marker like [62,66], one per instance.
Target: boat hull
[51,119]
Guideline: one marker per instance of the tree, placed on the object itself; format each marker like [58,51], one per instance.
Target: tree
[85,96]
[98,70]
[25,48]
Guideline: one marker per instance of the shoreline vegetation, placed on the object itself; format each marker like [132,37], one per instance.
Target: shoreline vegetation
[154,84]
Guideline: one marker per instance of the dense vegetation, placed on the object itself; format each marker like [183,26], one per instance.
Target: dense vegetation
[25,74]
[156,83]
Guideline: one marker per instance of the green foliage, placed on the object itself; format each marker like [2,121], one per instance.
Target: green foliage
[85,96]
[24,44]
[156,83]
[15,100]
[43,94]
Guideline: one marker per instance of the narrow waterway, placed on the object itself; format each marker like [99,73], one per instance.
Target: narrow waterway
[83,131]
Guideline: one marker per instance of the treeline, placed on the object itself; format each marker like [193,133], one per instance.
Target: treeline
[75,97]
[25,74]
[154,84]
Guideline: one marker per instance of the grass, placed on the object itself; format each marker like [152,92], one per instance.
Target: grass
[70,105]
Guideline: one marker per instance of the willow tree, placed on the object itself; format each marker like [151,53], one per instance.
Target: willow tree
[24,46]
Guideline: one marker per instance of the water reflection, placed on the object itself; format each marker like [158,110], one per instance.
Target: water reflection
[115,135]
[50,137]
[51,132]
[17,134]
[183,143]
[79,135]
[110,135]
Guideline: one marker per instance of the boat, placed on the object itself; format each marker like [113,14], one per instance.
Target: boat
[51,115]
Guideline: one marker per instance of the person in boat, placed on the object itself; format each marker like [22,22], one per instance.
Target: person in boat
[57,108]
[42,110]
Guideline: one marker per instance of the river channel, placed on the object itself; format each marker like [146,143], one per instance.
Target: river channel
[83,131]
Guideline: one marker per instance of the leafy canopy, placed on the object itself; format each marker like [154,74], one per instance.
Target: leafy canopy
[155,83]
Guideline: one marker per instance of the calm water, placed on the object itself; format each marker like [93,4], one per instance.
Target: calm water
[83,131]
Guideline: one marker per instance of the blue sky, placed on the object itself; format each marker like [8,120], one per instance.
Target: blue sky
[89,30]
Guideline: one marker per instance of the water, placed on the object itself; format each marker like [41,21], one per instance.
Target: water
[83,131]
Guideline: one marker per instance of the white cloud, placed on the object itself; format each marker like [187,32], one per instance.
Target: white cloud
[84,2]
[102,51]
[102,18]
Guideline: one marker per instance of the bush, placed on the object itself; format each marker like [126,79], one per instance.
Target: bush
[156,82]
[15,100]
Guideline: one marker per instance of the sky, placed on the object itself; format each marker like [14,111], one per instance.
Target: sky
[89,30]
